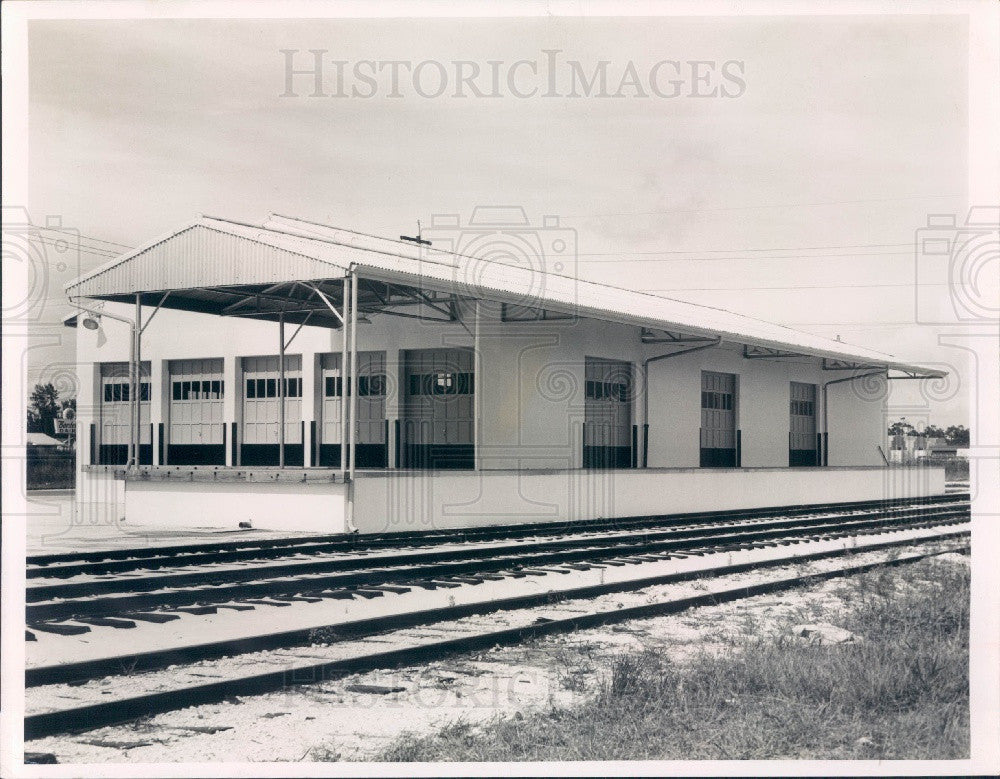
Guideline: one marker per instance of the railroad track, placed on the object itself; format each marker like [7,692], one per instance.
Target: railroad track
[338,575]
[344,599]
[69,564]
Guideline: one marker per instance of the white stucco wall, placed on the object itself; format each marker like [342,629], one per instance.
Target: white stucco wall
[420,502]
[531,385]
[312,508]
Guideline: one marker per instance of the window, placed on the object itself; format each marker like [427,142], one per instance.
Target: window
[376,384]
[718,401]
[121,391]
[293,388]
[438,383]
[264,388]
[803,408]
[607,390]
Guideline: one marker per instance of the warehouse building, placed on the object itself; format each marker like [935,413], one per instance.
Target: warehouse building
[297,376]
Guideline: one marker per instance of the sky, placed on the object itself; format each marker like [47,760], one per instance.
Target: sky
[793,194]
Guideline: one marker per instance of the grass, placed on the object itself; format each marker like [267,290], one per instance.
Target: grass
[51,471]
[955,468]
[899,692]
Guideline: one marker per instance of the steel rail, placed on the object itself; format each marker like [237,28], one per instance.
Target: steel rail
[119,560]
[91,716]
[257,584]
[46,591]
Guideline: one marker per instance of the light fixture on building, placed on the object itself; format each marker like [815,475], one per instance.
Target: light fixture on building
[92,322]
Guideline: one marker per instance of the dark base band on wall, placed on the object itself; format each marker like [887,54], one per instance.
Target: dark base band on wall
[443,457]
[366,456]
[117,454]
[395,424]
[196,454]
[607,456]
[267,455]
[718,458]
[802,458]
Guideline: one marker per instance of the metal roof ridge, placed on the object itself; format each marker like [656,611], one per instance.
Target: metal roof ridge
[114,261]
[577,279]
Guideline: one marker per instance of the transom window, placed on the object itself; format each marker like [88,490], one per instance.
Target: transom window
[268,388]
[373,385]
[121,391]
[607,390]
[442,383]
[803,408]
[719,401]
[198,390]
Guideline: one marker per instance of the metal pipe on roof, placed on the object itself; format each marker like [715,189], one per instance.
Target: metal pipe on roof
[281,389]
[325,299]
[353,432]
[349,485]
[343,381]
[131,355]
[476,399]
[645,389]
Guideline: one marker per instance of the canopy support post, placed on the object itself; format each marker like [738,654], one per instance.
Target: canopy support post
[281,389]
[344,331]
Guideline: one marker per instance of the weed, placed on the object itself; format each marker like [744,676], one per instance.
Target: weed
[901,693]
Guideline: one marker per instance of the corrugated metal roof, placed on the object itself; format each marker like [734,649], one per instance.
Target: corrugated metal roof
[285,249]
[209,253]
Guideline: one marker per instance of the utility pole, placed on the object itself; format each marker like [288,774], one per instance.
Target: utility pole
[418,240]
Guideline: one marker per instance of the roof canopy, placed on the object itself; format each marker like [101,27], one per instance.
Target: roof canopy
[294,268]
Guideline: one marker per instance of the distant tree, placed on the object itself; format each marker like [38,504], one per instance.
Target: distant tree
[932,431]
[900,427]
[43,408]
[957,435]
[67,408]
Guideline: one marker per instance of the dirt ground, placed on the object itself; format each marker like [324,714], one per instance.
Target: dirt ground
[353,718]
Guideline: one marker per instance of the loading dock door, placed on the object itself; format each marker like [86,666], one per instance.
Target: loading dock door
[197,431]
[371,434]
[802,443]
[608,440]
[438,414]
[259,442]
[116,427]
[719,436]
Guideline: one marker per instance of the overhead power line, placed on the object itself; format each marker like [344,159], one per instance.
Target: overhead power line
[88,237]
[730,259]
[775,205]
[817,286]
[770,249]
[96,253]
